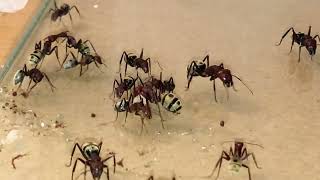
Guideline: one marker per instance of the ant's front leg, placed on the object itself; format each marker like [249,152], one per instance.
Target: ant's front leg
[113,88]
[299,53]
[206,59]
[285,34]
[243,165]
[75,165]
[309,31]
[124,55]
[75,7]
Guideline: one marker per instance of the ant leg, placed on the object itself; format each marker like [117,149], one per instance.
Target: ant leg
[51,85]
[55,48]
[75,165]
[243,83]
[284,35]
[28,85]
[125,70]
[80,69]
[219,163]
[317,36]
[85,172]
[141,54]
[254,159]
[124,55]
[309,31]
[114,161]
[214,90]
[55,4]
[88,41]
[189,81]
[243,165]
[160,116]
[291,45]
[113,87]
[108,176]
[149,65]
[299,52]
[227,92]
[206,59]
[75,7]
[73,150]
[70,17]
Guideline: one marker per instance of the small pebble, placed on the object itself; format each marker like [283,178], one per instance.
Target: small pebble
[14,93]
[222,123]
[93,115]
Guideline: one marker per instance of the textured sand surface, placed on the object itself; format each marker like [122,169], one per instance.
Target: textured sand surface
[283,115]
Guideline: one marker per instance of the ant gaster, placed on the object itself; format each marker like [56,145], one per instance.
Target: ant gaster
[62,11]
[39,53]
[34,74]
[214,71]
[91,154]
[236,157]
[303,40]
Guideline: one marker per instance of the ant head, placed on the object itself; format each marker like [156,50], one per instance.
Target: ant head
[133,57]
[238,144]
[96,169]
[71,40]
[311,49]
[54,16]
[226,77]
[65,7]
[18,77]
[169,85]
[98,59]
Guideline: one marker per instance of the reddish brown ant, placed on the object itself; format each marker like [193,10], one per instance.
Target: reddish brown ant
[34,74]
[62,11]
[91,154]
[214,71]
[303,40]
[236,157]
[162,86]
[85,60]
[136,62]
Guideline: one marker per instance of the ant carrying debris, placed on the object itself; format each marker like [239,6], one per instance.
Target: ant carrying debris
[62,11]
[34,74]
[85,60]
[135,62]
[91,154]
[236,157]
[39,53]
[303,40]
[199,68]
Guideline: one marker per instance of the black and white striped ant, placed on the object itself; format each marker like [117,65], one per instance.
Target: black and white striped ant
[199,68]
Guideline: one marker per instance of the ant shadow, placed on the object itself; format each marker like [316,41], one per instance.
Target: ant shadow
[300,74]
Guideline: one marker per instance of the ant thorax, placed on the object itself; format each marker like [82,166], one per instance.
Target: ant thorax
[197,69]
[18,77]
[128,81]
[89,149]
[35,57]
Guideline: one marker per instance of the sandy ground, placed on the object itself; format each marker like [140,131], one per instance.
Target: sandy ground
[283,115]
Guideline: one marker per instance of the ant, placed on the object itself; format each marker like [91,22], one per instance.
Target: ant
[138,105]
[162,86]
[304,40]
[236,157]
[34,74]
[91,154]
[86,60]
[39,53]
[136,62]
[54,37]
[124,86]
[201,69]
[62,11]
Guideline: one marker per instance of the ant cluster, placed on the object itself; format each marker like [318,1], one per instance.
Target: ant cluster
[143,92]
[140,93]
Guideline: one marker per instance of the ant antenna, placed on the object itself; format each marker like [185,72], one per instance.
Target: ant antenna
[243,83]
[259,145]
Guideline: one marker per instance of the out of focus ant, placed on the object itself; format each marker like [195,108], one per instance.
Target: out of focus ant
[39,53]
[303,40]
[136,62]
[59,12]
[199,68]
